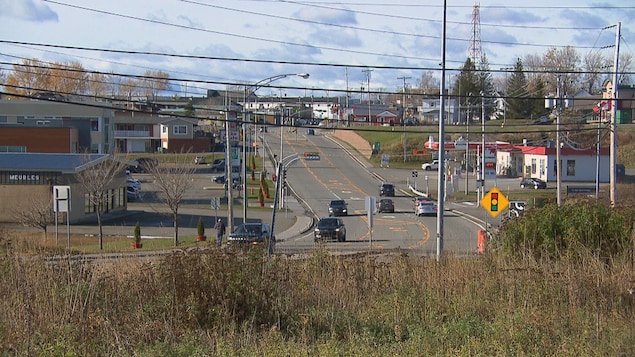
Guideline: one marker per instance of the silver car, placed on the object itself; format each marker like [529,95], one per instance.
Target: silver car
[426,208]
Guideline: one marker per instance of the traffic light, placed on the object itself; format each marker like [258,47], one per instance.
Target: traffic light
[494,202]
[284,175]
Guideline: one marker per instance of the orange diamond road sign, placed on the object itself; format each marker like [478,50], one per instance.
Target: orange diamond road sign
[494,202]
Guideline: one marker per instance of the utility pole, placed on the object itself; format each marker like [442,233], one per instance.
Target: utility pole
[613,131]
[482,146]
[367,72]
[228,170]
[441,176]
[403,117]
[558,163]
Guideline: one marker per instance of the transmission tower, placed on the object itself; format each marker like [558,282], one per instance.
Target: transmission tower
[474,52]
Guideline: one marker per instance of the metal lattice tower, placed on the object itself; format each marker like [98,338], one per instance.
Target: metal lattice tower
[474,52]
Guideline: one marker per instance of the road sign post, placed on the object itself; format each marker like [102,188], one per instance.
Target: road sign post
[62,203]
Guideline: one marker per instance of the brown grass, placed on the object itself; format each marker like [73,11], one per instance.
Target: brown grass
[234,303]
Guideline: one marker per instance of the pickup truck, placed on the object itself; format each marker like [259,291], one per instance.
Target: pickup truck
[428,166]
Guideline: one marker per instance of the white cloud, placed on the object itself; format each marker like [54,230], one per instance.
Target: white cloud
[27,10]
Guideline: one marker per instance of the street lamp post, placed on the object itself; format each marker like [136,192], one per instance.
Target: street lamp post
[248,93]
[403,117]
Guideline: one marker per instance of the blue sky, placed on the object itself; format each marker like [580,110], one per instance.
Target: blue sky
[331,40]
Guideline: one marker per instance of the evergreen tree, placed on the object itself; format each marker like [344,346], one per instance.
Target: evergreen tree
[517,96]
[466,88]
[487,88]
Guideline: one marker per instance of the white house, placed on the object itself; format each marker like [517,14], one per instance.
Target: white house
[578,165]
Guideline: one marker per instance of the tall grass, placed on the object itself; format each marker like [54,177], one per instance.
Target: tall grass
[236,303]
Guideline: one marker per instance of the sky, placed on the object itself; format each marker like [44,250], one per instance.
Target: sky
[208,44]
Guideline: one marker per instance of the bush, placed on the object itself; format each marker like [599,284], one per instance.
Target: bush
[573,230]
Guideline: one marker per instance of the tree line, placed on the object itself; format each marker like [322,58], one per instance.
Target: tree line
[523,86]
[33,78]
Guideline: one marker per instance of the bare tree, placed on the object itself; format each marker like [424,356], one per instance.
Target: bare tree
[594,64]
[172,181]
[154,82]
[427,84]
[99,85]
[625,65]
[35,211]
[99,176]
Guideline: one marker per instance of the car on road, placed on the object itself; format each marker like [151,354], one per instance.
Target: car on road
[330,228]
[428,166]
[252,233]
[338,208]
[531,182]
[310,132]
[386,205]
[426,208]
[420,199]
[387,189]
[199,160]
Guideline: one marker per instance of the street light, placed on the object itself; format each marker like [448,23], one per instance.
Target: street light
[403,117]
[249,91]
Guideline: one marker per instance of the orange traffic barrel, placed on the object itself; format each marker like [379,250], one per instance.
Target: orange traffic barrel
[482,242]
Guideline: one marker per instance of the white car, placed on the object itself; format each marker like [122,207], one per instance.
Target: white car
[426,208]
[428,166]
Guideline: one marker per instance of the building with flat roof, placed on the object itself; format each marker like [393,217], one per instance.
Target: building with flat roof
[25,177]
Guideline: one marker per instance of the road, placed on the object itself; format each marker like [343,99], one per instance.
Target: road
[340,175]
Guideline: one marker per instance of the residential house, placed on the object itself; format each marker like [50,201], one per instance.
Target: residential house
[625,109]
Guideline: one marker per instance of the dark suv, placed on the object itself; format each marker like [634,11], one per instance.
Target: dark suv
[387,189]
[530,182]
[331,228]
[252,233]
[338,208]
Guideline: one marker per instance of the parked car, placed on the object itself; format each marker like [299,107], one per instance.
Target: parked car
[218,165]
[426,208]
[310,132]
[144,162]
[386,205]
[338,208]
[199,160]
[387,189]
[428,166]
[134,169]
[134,183]
[220,179]
[252,233]
[331,228]
[132,193]
[531,182]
